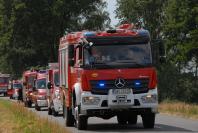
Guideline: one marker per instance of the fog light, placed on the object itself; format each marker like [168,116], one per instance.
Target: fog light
[150,98]
[90,100]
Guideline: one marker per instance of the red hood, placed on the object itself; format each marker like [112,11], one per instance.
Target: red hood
[112,74]
[120,73]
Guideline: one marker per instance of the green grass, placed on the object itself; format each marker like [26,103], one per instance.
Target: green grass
[180,109]
[17,119]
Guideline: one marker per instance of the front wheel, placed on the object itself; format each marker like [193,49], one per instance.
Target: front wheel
[122,119]
[49,111]
[29,104]
[37,107]
[54,112]
[81,120]
[132,119]
[69,118]
[148,120]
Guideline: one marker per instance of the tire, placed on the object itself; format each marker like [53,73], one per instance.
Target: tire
[148,120]
[49,111]
[25,103]
[29,104]
[81,122]
[37,108]
[69,118]
[54,113]
[132,119]
[122,119]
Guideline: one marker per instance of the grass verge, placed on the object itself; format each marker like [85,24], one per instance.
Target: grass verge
[14,118]
[179,109]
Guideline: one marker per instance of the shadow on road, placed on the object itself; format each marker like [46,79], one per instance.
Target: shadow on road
[108,127]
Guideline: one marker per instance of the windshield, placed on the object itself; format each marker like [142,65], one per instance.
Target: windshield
[17,86]
[56,79]
[31,81]
[135,55]
[4,80]
[41,84]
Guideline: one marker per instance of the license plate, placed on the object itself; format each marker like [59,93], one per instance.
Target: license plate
[121,98]
[121,91]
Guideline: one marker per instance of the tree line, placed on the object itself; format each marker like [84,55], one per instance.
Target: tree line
[30,29]
[30,32]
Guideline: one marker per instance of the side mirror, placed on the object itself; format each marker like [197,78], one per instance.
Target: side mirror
[24,83]
[71,55]
[49,85]
[71,62]
[162,59]
[71,51]
[158,51]
[34,88]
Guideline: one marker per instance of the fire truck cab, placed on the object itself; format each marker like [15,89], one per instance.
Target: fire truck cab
[28,84]
[55,106]
[4,82]
[40,90]
[16,89]
[106,74]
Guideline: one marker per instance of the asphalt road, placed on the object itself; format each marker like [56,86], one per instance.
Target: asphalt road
[164,124]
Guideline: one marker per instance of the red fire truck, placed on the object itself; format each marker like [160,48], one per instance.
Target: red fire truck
[55,106]
[4,81]
[106,74]
[40,90]
[15,90]
[28,84]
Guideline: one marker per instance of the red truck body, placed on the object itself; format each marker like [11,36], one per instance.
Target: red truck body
[107,74]
[4,82]
[54,101]
[29,78]
[40,90]
[15,89]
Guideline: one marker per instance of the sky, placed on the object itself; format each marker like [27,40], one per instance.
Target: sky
[111,6]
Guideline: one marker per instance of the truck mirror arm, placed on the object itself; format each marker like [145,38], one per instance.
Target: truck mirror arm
[49,85]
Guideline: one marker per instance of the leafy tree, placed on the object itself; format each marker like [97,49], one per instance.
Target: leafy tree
[149,10]
[30,30]
[181,29]
[176,22]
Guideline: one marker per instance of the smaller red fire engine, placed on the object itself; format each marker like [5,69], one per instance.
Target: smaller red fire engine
[40,90]
[28,84]
[55,106]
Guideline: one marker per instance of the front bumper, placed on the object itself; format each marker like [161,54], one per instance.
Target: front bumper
[134,102]
[58,106]
[42,103]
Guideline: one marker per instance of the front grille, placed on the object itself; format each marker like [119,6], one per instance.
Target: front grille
[110,84]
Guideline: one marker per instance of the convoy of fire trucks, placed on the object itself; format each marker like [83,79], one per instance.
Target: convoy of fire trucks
[98,74]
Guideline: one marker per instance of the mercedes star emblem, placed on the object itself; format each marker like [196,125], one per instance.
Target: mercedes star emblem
[119,82]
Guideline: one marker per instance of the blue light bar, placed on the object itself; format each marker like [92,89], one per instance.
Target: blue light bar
[143,32]
[89,34]
[42,71]
[101,84]
[137,83]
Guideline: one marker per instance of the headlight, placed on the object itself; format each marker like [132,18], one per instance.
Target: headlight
[90,100]
[150,98]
